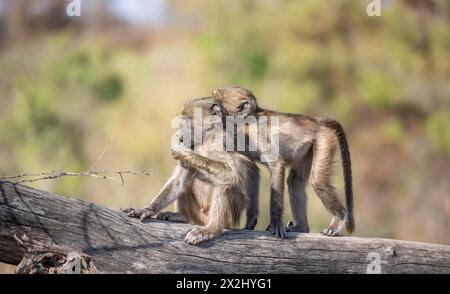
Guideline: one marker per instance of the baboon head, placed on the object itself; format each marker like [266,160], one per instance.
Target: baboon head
[212,114]
[236,100]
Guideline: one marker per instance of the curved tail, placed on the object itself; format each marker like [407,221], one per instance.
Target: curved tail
[347,170]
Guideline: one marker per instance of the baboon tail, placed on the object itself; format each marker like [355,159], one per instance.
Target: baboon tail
[347,170]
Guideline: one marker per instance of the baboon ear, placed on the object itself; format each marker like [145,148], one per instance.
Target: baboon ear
[184,119]
[216,109]
[217,94]
[184,122]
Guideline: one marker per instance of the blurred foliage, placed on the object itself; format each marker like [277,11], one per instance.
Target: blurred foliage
[387,79]
[53,101]
[438,130]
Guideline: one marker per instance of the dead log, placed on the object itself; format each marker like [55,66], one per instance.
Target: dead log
[118,244]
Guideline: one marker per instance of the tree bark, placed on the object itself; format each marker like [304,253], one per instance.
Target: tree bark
[119,244]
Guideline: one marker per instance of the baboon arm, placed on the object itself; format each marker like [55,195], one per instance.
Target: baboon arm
[252,193]
[276,190]
[277,170]
[219,171]
[171,190]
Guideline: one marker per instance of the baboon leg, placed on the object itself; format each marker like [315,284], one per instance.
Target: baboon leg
[276,226]
[297,181]
[219,213]
[297,197]
[321,173]
[252,201]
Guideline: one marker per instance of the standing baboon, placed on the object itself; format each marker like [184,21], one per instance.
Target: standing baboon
[211,186]
[307,146]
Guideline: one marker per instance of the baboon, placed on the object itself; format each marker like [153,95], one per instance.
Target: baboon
[307,147]
[211,186]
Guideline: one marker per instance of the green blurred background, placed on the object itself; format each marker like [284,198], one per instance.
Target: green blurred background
[122,70]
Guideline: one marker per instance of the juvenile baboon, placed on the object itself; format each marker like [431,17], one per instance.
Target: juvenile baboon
[307,146]
[211,186]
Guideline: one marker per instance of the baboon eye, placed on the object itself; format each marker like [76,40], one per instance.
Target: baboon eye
[216,109]
[241,107]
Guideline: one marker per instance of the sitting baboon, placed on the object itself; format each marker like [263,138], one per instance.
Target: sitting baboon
[211,185]
[307,146]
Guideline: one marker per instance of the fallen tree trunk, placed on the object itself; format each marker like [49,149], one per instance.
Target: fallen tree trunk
[118,244]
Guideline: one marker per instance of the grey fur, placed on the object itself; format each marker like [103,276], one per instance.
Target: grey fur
[307,146]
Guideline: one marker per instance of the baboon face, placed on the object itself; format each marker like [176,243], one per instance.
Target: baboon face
[212,113]
[236,100]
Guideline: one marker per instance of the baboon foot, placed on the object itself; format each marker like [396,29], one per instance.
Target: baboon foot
[277,229]
[175,217]
[290,227]
[141,213]
[197,235]
[335,227]
[251,224]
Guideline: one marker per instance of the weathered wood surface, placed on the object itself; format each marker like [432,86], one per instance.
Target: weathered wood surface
[118,244]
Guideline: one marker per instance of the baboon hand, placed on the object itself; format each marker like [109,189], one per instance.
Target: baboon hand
[181,157]
[277,229]
[141,213]
[197,235]
[126,209]
[177,155]
[179,150]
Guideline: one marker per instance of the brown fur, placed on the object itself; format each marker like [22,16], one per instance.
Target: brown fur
[307,147]
[211,187]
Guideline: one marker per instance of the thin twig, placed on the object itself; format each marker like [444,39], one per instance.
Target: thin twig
[103,174]
[28,175]
[30,178]
[121,178]
[99,157]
